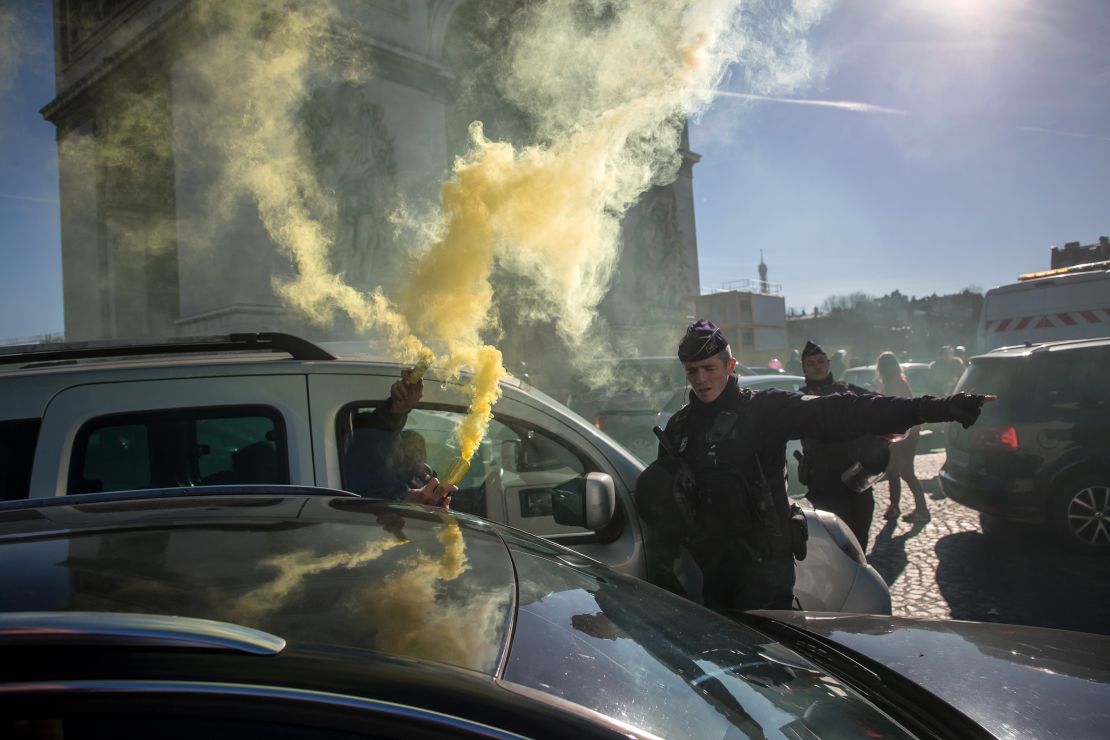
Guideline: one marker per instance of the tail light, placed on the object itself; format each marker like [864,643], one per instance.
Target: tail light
[599,421]
[994,438]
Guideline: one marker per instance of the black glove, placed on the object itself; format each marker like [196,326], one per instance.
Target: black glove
[961,407]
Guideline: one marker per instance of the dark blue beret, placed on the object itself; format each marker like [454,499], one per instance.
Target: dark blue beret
[703,339]
[812,349]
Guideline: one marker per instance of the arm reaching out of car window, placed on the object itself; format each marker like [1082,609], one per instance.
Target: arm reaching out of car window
[432,493]
[405,394]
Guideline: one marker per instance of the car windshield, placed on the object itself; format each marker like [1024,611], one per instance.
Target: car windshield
[347,572]
[641,655]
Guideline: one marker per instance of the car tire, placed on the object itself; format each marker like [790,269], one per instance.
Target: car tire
[1080,513]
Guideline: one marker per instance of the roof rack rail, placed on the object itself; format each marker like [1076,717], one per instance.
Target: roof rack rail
[145,494]
[115,628]
[299,349]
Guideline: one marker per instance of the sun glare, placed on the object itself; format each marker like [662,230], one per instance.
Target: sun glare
[967,12]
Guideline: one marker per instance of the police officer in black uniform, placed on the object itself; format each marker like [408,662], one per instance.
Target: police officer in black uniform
[825,464]
[717,493]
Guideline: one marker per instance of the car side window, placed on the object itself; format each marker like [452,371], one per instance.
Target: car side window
[180,447]
[512,476]
[17,453]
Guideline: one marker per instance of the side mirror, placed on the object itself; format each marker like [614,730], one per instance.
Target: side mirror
[588,503]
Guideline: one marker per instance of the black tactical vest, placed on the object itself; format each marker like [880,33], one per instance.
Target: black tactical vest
[736,505]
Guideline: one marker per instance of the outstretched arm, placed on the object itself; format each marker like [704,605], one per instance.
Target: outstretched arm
[843,416]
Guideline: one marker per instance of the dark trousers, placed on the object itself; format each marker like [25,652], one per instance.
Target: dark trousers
[736,584]
[856,509]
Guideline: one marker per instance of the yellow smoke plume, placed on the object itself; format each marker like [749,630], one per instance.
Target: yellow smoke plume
[608,85]
[412,623]
[293,568]
[275,60]
[402,609]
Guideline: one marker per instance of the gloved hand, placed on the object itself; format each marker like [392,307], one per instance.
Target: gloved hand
[961,407]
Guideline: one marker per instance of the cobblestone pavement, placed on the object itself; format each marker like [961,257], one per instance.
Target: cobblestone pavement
[948,568]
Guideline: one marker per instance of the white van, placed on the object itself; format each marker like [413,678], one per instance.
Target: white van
[1066,303]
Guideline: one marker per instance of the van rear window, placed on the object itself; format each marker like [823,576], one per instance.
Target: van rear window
[1005,378]
[17,452]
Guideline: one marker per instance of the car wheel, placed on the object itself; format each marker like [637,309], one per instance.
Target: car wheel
[1081,513]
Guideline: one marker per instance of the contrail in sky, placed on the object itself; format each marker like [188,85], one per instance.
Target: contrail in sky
[841,104]
[1072,134]
[31,198]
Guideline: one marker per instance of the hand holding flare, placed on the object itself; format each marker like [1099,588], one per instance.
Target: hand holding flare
[415,376]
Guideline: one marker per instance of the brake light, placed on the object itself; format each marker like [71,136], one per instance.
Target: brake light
[994,438]
[599,421]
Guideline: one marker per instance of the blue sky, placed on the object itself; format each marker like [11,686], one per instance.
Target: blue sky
[993,144]
[30,251]
[986,141]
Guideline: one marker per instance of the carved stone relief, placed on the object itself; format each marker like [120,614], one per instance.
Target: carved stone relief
[352,150]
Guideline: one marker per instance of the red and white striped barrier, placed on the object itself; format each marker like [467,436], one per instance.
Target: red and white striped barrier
[1050,321]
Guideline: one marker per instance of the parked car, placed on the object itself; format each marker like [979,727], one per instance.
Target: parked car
[1041,453]
[679,398]
[285,612]
[271,408]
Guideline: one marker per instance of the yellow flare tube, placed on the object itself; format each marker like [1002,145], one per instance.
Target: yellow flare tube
[456,472]
[417,373]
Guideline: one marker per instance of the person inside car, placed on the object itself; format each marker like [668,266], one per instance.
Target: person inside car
[383,460]
[716,495]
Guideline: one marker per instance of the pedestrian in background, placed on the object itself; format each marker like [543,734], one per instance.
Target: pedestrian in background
[839,363]
[823,464]
[794,364]
[944,372]
[891,381]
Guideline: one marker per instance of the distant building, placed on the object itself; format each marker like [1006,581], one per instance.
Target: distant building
[914,328]
[1072,253]
[752,315]
[138,256]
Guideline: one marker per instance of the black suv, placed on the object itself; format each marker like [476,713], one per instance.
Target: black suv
[1041,453]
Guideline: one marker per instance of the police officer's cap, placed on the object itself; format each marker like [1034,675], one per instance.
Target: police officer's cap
[703,339]
[811,349]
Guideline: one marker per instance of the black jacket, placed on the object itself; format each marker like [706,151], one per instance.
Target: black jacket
[737,445]
[827,460]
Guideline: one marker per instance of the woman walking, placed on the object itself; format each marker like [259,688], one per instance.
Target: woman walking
[892,382]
